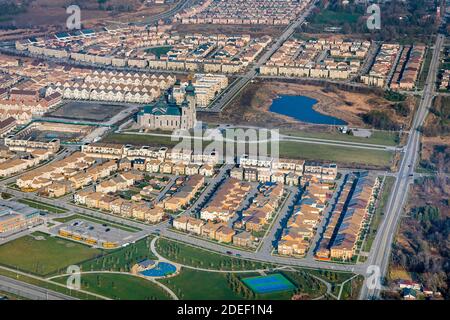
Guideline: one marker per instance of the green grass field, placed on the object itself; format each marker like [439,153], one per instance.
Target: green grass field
[44,257]
[47,285]
[379,213]
[42,206]
[378,137]
[208,285]
[289,149]
[120,287]
[331,276]
[217,286]
[96,220]
[121,259]
[137,139]
[349,156]
[196,257]
[352,288]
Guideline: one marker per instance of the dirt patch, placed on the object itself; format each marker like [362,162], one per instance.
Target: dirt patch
[53,12]
[435,153]
[251,107]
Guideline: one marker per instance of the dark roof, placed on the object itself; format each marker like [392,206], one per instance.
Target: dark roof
[166,105]
[7,122]
[190,89]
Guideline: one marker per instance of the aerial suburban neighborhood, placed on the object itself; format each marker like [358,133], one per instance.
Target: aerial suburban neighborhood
[224,150]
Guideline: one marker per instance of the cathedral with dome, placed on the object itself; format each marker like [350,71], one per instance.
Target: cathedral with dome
[167,114]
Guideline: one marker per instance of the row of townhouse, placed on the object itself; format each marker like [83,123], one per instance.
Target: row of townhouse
[212,230]
[180,64]
[20,143]
[184,194]
[64,176]
[175,155]
[122,95]
[278,12]
[302,225]
[113,86]
[178,168]
[381,68]
[16,165]
[283,170]
[347,220]
[195,66]
[186,52]
[266,175]
[125,208]
[7,125]
[338,71]
[320,58]
[44,176]
[23,110]
[260,21]
[263,207]
[226,200]
[408,68]
[207,87]
[121,182]
[113,34]
[130,78]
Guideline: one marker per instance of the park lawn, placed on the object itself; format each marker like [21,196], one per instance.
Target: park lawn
[44,257]
[351,289]
[306,284]
[121,259]
[47,285]
[333,277]
[120,286]
[379,213]
[42,206]
[215,286]
[196,257]
[96,220]
[139,139]
[378,137]
[347,155]
[201,285]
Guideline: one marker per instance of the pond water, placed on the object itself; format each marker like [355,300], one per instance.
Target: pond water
[301,108]
[160,270]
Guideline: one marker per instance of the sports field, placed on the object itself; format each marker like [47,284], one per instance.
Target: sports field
[267,284]
[42,254]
